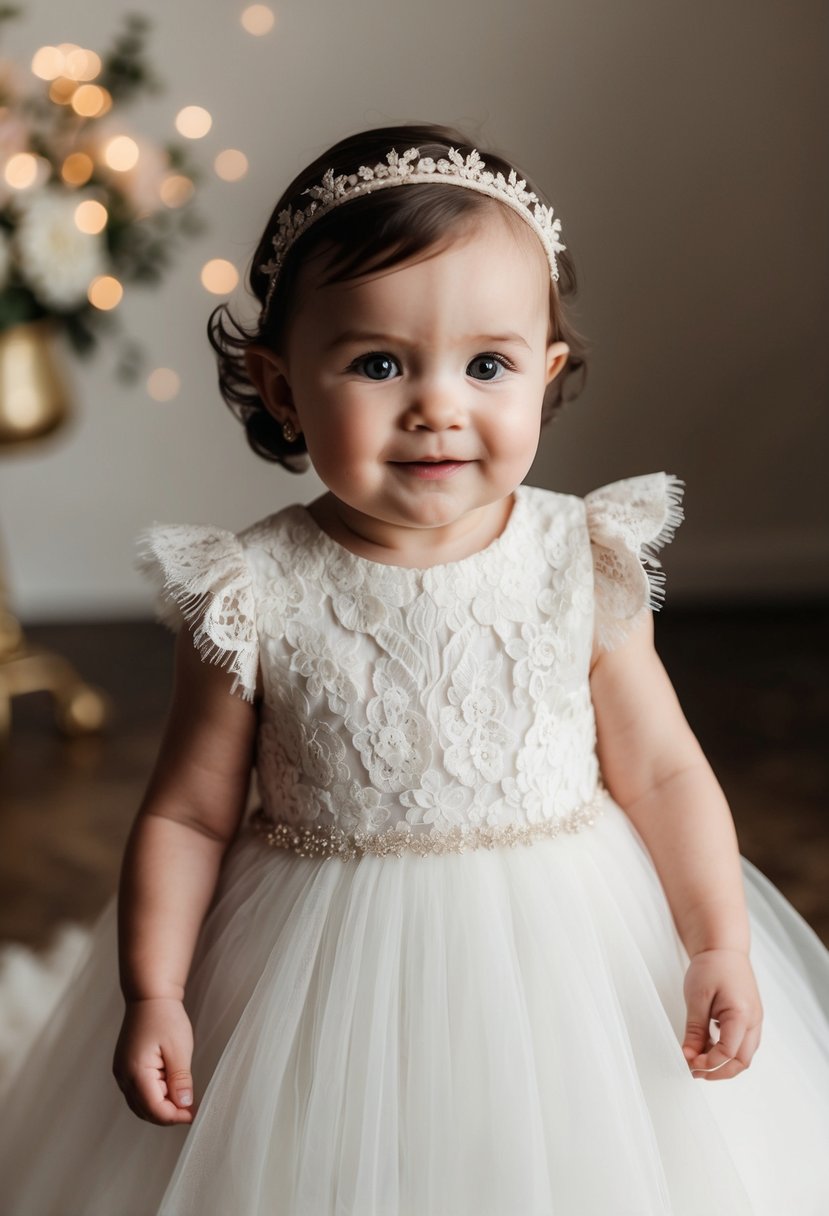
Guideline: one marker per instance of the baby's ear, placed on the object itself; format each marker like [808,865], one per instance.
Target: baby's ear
[267,372]
[557,355]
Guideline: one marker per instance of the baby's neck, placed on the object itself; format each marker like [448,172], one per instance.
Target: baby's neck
[422,549]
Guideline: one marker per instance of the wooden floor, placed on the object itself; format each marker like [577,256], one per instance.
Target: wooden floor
[753,685]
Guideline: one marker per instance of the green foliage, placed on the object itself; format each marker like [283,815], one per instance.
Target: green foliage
[126,70]
[17,304]
[131,363]
[80,329]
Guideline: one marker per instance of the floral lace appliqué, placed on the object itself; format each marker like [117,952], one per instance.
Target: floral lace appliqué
[395,745]
[474,721]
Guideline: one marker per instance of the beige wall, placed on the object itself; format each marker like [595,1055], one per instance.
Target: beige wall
[683,147]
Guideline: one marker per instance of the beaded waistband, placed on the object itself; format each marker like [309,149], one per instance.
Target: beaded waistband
[322,840]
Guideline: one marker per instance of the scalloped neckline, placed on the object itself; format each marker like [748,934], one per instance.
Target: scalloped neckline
[471,558]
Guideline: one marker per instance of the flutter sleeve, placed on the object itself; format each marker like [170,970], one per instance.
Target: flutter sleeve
[628,521]
[201,576]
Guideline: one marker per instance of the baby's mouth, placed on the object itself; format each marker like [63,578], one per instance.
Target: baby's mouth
[430,469]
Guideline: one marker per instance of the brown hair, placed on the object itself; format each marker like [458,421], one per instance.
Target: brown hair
[377,231]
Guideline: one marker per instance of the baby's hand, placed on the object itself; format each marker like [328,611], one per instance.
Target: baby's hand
[720,986]
[152,1060]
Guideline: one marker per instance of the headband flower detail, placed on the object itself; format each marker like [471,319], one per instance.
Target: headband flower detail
[453,170]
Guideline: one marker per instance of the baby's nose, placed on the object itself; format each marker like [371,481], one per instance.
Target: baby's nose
[436,405]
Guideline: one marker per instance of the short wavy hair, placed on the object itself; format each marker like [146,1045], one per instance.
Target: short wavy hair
[376,231]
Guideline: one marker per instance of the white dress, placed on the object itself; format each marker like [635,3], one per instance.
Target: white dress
[439,976]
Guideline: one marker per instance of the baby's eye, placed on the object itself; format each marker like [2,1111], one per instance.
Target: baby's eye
[377,365]
[487,367]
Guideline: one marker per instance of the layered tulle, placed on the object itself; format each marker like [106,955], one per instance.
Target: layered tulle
[496,1033]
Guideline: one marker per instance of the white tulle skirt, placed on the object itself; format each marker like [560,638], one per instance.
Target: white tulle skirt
[496,1033]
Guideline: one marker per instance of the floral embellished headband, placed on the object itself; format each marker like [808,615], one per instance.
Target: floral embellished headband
[455,170]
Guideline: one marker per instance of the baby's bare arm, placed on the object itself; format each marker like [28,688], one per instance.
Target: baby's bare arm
[189,814]
[655,769]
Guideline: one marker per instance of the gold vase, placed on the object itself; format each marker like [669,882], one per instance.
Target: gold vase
[33,397]
[33,404]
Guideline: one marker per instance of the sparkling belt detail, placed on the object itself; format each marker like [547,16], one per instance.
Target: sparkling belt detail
[321,840]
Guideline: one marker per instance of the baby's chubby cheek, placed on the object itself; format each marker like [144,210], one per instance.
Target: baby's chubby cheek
[514,448]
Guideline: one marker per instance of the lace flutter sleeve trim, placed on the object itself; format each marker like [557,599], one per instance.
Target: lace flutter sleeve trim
[201,577]
[628,521]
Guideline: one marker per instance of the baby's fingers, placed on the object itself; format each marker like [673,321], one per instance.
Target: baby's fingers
[726,1058]
[152,1061]
[715,1064]
[147,1096]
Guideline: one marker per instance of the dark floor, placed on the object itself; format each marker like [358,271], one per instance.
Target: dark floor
[753,684]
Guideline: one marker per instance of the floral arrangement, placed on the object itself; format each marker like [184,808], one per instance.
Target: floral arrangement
[85,205]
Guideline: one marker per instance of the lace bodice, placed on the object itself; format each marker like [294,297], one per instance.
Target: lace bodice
[424,698]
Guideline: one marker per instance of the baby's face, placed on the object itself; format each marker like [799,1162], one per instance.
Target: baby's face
[443,357]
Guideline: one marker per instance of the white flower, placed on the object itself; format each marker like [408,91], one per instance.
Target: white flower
[359,808]
[5,259]
[323,756]
[437,801]
[56,259]
[395,744]
[474,722]
[326,672]
[536,653]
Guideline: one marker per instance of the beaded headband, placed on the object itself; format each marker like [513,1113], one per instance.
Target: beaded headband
[469,172]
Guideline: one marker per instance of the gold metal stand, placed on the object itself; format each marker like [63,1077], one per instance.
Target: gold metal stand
[33,403]
[79,708]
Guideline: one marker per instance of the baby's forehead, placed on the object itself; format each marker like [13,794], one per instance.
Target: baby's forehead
[498,251]
[499,222]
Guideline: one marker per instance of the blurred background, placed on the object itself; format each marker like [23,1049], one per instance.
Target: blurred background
[683,148]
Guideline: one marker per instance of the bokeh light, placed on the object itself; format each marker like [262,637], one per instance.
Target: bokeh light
[47,63]
[91,216]
[219,276]
[105,292]
[163,384]
[68,61]
[77,169]
[61,91]
[175,190]
[258,19]
[121,153]
[91,101]
[231,164]
[81,64]
[21,170]
[193,122]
